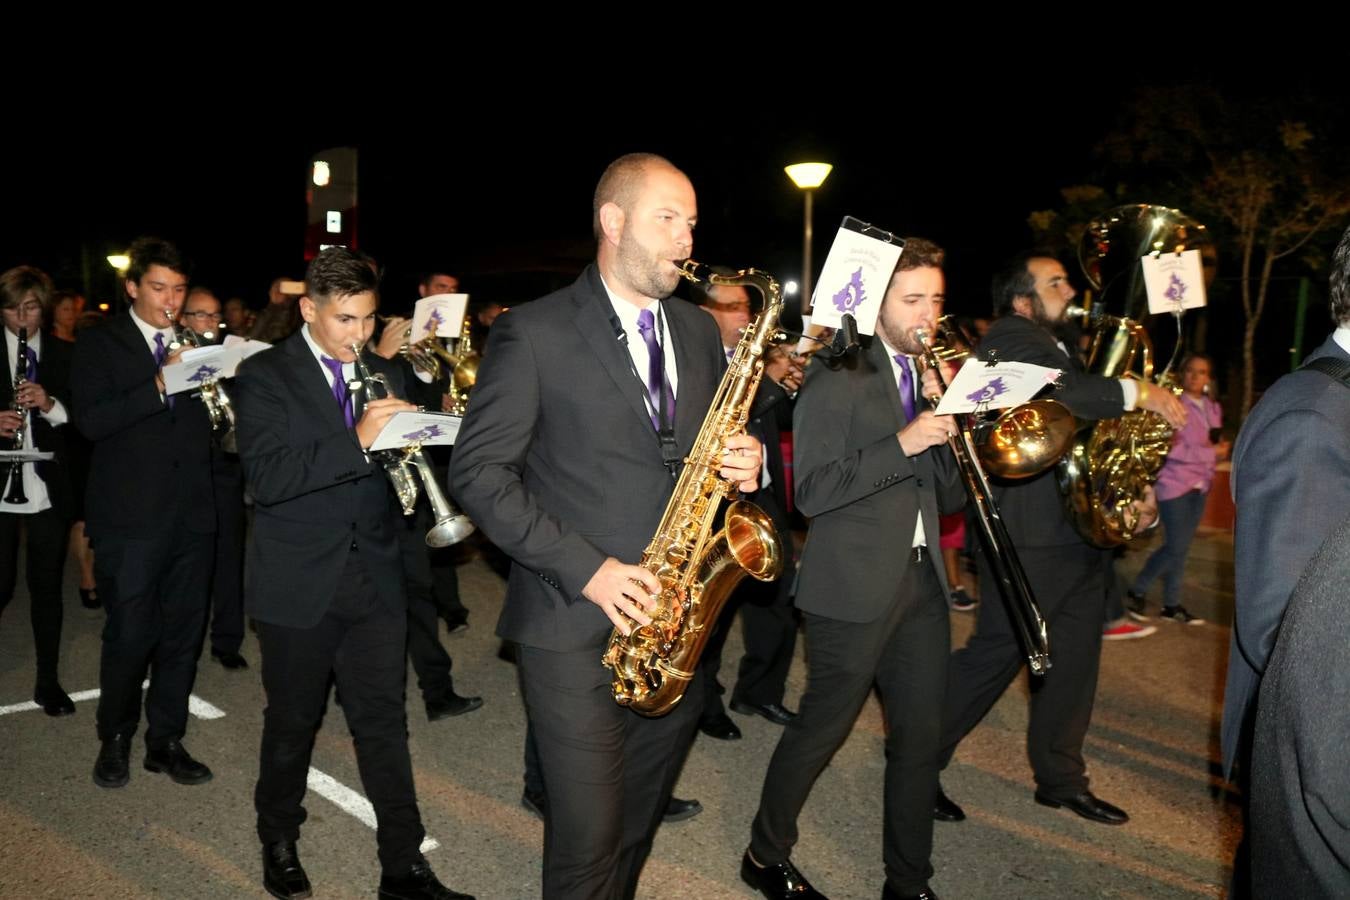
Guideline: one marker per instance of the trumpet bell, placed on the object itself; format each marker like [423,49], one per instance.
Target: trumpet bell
[1026,440]
[450,531]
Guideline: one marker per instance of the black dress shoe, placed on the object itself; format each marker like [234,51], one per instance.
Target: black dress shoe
[53,700]
[1087,805]
[419,883]
[283,876]
[89,599]
[945,810]
[455,621]
[535,803]
[780,881]
[721,727]
[112,768]
[774,712]
[229,659]
[173,760]
[888,894]
[450,704]
[678,810]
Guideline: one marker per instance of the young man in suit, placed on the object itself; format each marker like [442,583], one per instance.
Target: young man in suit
[325,581]
[150,517]
[873,475]
[560,462]
[1067,574]
[42,507]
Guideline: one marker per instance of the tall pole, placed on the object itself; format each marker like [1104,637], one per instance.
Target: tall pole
[807,176]
[805,298]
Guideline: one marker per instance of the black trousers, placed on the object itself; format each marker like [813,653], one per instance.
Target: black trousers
[608,772]
[430,661]
[155,591]
[359,643]
[904,654]
[48,536]
[1069,584]
[769,629]
[227,587]
[444,580]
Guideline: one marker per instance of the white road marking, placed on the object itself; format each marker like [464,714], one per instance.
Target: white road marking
[351,802]
[196,705]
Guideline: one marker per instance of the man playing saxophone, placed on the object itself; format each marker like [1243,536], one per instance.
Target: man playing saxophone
[873,475]
[325,575]
[581,413]
[1067,574]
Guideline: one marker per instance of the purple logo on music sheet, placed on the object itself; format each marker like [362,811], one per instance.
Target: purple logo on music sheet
[434,322]
[424,434]
[851,296]
[203,374]
[1176,289]
[988,391]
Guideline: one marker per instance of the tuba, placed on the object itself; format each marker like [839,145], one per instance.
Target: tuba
[218,405]
[1113,461]
[698,569]
[408,465]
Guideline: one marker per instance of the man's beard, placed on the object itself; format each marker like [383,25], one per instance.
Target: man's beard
[643,272]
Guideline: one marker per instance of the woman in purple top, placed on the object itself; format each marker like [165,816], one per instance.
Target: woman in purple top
[1183,485]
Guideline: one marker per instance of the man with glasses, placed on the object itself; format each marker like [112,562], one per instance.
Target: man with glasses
[202,314]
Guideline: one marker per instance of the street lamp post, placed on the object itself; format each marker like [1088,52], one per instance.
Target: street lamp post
[808,176]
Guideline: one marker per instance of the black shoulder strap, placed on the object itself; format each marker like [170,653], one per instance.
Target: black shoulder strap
[1338,369]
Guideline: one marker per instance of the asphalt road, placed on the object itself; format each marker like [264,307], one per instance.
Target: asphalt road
[1151,750]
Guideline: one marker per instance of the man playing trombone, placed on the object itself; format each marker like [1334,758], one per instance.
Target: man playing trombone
[872,474]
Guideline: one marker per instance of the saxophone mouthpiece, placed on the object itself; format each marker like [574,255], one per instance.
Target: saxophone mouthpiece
[1076,312]
[693,270]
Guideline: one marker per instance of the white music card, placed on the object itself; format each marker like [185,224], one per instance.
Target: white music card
[1174,281]
[854,280]
[439,314]
[980,386]
[426,428]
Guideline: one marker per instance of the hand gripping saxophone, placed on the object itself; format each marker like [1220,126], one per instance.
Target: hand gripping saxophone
[699,569]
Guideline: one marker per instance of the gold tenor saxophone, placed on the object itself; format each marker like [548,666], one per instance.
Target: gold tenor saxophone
[697,569]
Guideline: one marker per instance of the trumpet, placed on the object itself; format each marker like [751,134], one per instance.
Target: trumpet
[1012,579]
[406,466]
[218,404]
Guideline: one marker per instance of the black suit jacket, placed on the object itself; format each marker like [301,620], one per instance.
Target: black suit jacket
[150,471]
[54,375]
[1300,788]
[1033,509]
[315,494]
[863,494]
[771,404]
[557,460]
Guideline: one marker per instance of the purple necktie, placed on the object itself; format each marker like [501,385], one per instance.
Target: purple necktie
[31,374]
[160,353]
[906,386]
[341,393]
[657,389]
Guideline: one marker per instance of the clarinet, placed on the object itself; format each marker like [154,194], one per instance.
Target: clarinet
[16,494]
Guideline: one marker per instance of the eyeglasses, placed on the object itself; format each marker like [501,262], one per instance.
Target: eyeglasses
[202,315]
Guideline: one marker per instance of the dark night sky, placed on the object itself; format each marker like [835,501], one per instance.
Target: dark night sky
[486,185]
